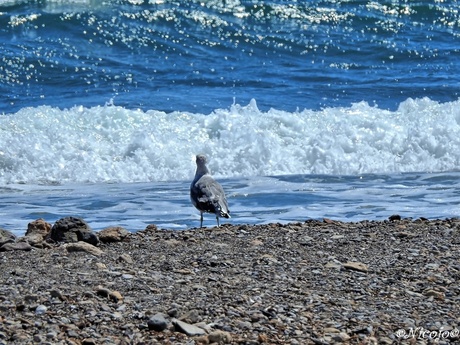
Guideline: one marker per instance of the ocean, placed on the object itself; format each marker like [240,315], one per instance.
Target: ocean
[347,110]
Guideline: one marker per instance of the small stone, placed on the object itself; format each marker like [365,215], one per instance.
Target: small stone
[220,337]
[341,337]
[385,341]
[331,330]
[157,323]
[57,294]
[126,258]
[30,298]
[117,315]
[202,340]
[51,335]
[173,312]
[40,310]
[356,266]
[306,240]
[101,266]
[403,234]
[192,316]
[256,243]
[183,271]
[115,296]
[203,325]
[363,330]
[151,228]
[333,265]
[263,338]
[436,294]
[39,338]
[256,317]
[103,292]
[187,328]
[83,247]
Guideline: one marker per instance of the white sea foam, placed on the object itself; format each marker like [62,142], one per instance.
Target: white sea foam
[114,144]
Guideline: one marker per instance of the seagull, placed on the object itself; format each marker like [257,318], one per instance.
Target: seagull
[207,194]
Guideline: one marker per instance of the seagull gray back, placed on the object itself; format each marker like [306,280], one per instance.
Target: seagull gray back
[207,194]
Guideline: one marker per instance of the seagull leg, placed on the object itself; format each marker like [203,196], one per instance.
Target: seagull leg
[201,220]
[217,218]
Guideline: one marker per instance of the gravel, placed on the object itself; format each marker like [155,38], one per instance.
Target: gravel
[314,282]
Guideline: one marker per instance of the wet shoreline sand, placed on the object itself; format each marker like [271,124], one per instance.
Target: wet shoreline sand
[313,282]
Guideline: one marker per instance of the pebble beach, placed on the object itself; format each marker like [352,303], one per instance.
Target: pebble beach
[315,282]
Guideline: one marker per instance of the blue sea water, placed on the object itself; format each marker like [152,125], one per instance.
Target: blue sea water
[341,109]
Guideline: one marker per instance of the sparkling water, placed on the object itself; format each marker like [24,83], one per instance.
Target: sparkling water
[341,109]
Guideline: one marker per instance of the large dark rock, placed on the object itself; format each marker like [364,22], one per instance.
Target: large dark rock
[73,229]
[6,237]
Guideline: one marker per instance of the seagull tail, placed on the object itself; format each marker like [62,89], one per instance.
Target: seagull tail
[225,214]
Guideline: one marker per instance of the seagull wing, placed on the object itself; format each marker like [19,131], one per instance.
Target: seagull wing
[208,196]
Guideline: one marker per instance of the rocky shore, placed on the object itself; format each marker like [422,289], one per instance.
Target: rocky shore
[314,282]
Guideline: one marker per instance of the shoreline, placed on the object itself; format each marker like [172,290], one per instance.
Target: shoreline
[315,282]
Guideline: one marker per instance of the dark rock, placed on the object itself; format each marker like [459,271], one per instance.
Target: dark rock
[394,217]
[151,228]
[88,237]
[103,292]
[6,237]
[157,323]
[73,229]
[173,312]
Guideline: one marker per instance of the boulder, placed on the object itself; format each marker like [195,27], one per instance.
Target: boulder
[6,237]
[35,240]
[7,247]
[71,230]
[36,232]
[113,234]
[39,226]
[83,247]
